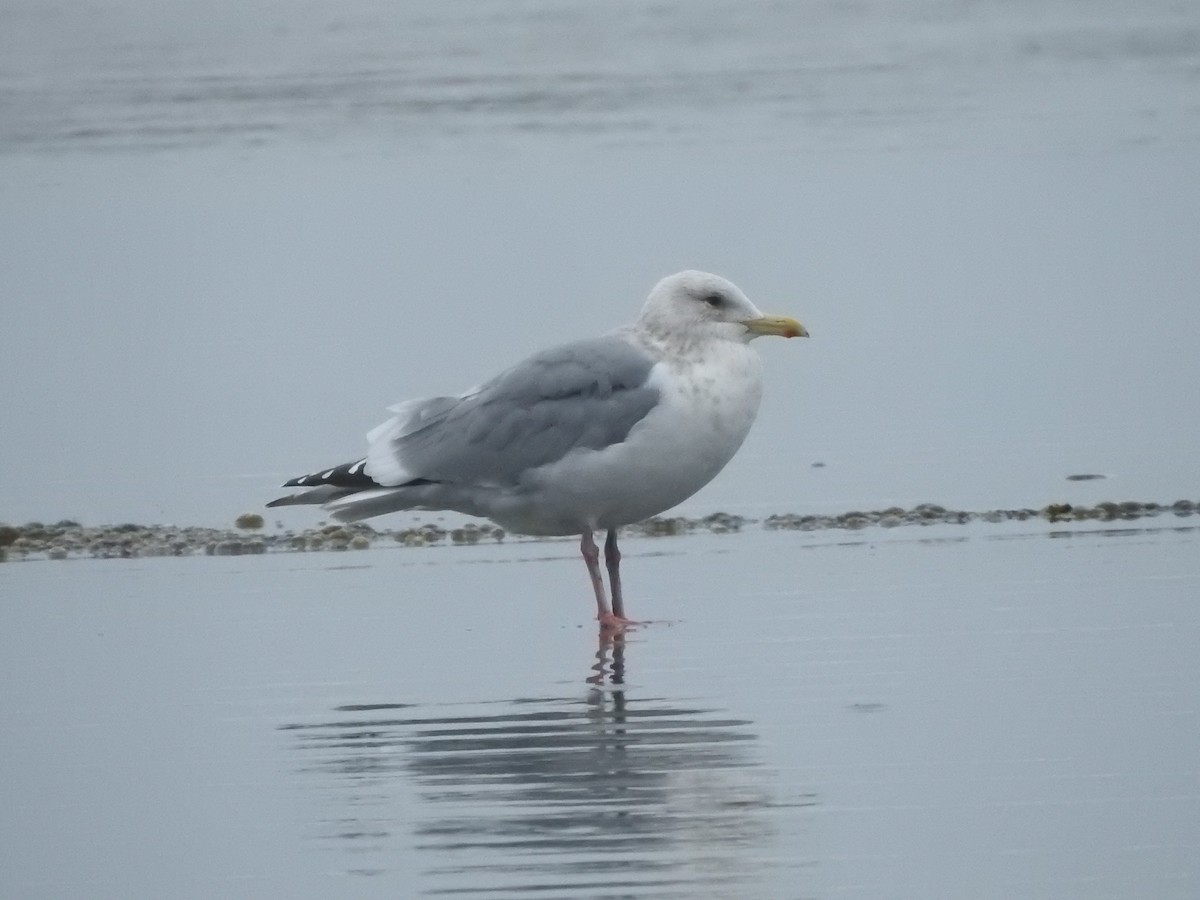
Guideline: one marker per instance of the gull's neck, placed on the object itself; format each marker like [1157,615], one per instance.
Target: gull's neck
[688,346]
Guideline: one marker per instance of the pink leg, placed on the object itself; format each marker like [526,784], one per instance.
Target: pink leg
[591,555]
[612,560]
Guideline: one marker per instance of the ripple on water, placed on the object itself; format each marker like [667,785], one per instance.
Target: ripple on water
[567,796]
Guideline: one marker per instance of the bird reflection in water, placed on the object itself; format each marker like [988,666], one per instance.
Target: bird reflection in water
[609,668]
[597,796]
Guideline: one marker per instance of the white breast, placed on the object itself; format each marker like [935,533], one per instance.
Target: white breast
[708,402]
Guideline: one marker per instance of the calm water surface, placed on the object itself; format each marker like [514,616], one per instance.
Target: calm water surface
[820,75]
[954,713]
[235,232]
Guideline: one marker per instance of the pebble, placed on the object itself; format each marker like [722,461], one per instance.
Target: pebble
[68,539]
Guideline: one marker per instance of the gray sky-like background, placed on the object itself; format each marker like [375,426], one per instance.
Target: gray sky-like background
[233,234]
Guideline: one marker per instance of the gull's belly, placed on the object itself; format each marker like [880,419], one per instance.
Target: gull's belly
[704,414]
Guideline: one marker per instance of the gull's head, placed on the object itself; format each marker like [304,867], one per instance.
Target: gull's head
[700,305]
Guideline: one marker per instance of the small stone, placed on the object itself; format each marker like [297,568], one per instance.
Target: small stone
[249,521]
[929,510]
[1057,511]
[853,520]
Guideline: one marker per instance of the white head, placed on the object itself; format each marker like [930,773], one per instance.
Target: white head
[702,306]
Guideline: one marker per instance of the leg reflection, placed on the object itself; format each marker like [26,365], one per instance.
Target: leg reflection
[608,671]
[616,793]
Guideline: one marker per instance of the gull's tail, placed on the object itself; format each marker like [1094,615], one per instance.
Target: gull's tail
[328,484]
[350,494]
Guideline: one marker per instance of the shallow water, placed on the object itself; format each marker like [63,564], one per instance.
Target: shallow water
[961,712]
[235,233]
[825,75]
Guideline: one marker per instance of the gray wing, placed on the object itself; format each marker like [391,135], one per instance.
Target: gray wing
[587,394]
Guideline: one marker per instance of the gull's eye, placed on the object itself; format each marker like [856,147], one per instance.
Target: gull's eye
[716,301]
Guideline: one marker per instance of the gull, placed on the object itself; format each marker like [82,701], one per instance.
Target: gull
[583,437]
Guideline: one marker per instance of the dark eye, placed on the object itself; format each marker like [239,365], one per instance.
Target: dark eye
[716,301]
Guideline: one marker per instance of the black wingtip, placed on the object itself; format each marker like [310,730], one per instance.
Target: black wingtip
[348,475]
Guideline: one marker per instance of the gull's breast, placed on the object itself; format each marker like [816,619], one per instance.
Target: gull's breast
[706,407]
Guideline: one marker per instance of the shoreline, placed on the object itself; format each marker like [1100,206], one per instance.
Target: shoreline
[71,540]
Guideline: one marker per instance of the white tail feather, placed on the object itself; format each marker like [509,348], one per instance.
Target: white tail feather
[376,502]
[321,494]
